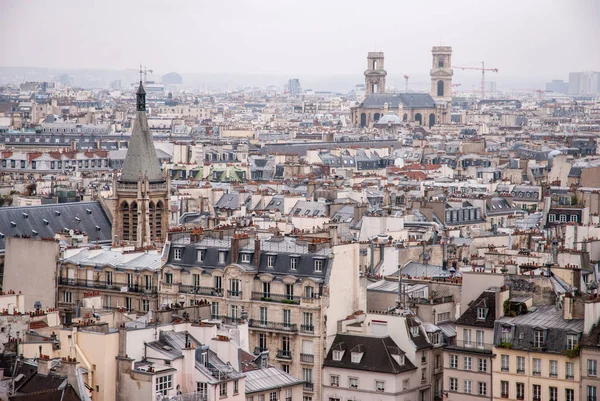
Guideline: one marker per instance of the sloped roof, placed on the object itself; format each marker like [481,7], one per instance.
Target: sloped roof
[268,379]
[141,155]
[487,300]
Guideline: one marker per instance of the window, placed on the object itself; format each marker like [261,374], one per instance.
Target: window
[504,389]
[572,341]
[334,380]
[196,280]
[200,255]
[591,393]
[270,261]
[520,364]
[482,388]
[443,317]
[168,278]
[309,291]
[223,389]
[454,361]
[177,252]
[379,386]
[285,368]
[520,391]
[538,339]
[235,287]
[553,393]
[307,321]
[592,366]
[553,368]
[287,318]
[537,366]
[108,278]
[218,283]
[552,218]
[467,336]
[68,297]
[563,218]
[537,392]
[453,384]
[202,389]
[482,365]
[262,341]
[467,363]
[481,313]
[504,363]
[266,293]
[245,258]
[128,303]
[337,355]
[222,256]
[293,263]
[405,384]
[479,338]
[164,384]
[569,394]
[273,396]
[146,305]
[318,265]
[570,370]
[573,218]
[353,382]
[467,384]
[414,331]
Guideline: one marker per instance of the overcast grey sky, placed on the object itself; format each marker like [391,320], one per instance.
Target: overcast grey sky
[523,38]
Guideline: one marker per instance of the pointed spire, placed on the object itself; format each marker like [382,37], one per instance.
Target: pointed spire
[141,98]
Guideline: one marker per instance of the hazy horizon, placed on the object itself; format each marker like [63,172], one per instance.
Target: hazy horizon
[532,41]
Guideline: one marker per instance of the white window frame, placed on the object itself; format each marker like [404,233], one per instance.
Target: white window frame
[504,363]
[380,386]
[467,363]
[177,253]
[164,384]
[453,384]
[468,386]
[454,361]
[318,265]
[592,367]
[482,388]
[353,382]
[334,380]
[270,261]
[246,258]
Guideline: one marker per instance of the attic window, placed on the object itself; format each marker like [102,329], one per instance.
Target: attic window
[482,313]
[357,356]
[414,331]
[337,355]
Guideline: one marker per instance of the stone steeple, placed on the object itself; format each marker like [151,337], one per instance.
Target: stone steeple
[141,159]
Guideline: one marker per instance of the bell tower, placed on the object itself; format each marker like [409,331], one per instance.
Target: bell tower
[441,73]
[375,74]
[140,213]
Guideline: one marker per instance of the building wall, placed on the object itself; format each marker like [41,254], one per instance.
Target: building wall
[30,267]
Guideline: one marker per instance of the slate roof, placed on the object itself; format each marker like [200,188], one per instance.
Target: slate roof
[487,300]
[407,100]
[47,220]
[377,354]
[141,154]
[269,378]
[66,393]
[116,259]
[543,317]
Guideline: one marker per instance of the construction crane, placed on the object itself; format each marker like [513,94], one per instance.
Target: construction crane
[483,70]
[455,86]
[142,70]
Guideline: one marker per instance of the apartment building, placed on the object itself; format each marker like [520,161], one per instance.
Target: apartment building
[469,360]
[281,286]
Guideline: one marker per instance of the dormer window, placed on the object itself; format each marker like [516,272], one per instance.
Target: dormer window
[572,341]
[294,263]
[271,261]
[337,355]
[200,255]
[482,313]
[222,257]
[177,252]
[357,356]
[414,331]
[538,338]
[318,265]
[245,258]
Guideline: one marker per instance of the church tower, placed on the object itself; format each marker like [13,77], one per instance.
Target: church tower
[375,74]
[441,74]
[140,215]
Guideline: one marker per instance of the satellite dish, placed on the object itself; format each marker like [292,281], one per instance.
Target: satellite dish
[37,305]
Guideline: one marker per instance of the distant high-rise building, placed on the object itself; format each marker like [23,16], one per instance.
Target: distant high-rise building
[558,86]
[584,83]
[294,87]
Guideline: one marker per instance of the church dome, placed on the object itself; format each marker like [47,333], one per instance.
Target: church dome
[390,118]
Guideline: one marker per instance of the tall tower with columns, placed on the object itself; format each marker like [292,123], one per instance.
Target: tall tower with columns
[375,74]
[441,73]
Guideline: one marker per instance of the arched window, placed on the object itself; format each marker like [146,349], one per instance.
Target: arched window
[441,61]
[134,221]
[440,88]
[419,118]
[126,220]
[151,220]
[363,119]
[431,120]
[405,117]
[158,221]
[376,117]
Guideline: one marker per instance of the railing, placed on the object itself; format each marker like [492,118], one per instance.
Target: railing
[569,377]
[308,386]
[315,301]
[520,370]
[434,301]
[307,328]
[266,324]
[200,290]
[307,358]
[234,294]
[504,369]
[112,286]
[471,346]
[228,319]
[270,297]
[284,354]
[591,398]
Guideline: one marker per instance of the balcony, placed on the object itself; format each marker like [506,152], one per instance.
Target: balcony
[307,358]
[504,395]
[471,346]
[268,325]
[535,373]
[228,319]
[199,290]
[284,354]
[104,285]
[311,301]
[308,386]
[504,369]
[234,294]
[521,371]
[307,328]
[270,297]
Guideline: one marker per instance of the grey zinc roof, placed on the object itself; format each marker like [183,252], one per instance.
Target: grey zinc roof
[106,257]
[268,379]
[141,154]
[47,220]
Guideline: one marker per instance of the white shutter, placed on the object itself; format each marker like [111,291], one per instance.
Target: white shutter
[307,347]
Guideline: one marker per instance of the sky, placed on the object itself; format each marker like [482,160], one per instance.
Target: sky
[524,38]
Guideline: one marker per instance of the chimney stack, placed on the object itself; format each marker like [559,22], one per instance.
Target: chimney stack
[122,340]
[235,248]
[256,252]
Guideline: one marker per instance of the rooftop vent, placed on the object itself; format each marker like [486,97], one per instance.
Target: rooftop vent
[35,233]
[98,228]
[46,222]
[57,213]
[89,211]
[13,224]
[77,219]
[25,215]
